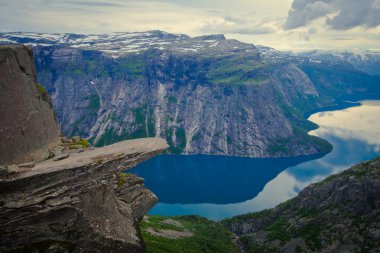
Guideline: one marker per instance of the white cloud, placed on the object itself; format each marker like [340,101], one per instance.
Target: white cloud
[253,21]
[348,13]
[240,24]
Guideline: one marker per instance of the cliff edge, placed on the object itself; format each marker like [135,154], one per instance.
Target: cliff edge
[78,202]
[28,128]
[81,204]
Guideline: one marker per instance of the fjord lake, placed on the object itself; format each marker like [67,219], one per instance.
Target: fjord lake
[218,187]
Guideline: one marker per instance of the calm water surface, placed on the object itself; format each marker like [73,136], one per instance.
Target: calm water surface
[217,187]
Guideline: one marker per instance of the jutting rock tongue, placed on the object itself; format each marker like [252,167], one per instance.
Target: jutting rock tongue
[28,127]
[82,203]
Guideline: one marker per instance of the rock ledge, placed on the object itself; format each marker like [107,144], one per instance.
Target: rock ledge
[78,204]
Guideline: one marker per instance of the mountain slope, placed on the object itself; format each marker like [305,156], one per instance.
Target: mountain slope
[339,214]
[205,95]
[224,102]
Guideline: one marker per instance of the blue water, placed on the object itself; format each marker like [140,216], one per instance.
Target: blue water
[217,187]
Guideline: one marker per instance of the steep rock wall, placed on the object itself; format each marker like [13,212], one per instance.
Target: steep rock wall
[28,127]
[226,101]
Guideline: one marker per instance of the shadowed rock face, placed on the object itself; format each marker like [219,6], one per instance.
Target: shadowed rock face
[28,127]
[79,204]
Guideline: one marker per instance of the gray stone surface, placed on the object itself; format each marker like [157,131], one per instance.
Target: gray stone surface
[78,204]
[28,127]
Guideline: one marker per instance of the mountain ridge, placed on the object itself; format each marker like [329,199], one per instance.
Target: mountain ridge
[204,95]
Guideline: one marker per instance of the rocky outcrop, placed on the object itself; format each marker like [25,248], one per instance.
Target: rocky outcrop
[79,204]
[81,200]
[339,214]
[28,128]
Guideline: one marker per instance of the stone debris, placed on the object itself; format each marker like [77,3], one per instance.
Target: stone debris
[3,171]
[60,157]
[66,140]
[173,222]
[12,169]
[76,146]
[57,150]
[168,233]
[27,165]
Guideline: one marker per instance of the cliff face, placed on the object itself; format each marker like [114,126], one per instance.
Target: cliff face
[207,94]
[79,204]
[339,214]
[30,133]
[221,100]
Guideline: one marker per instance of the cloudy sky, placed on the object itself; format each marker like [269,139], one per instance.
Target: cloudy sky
[282,24]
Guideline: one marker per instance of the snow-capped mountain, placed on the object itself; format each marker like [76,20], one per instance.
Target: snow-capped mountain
[119,44]
[367,61]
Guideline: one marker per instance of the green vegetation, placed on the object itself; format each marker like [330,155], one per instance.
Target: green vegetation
[238,70]
[247,216]
[252,247]
[41,89]
[122,178]
[94,102]
[135,67]
[82,142]
[310,233]
[284,146]
[75,69]
[208,236]
[196,137]
[181,137]
[180,143]
[144,126]
[279,230]
[110,136]
[322,145]
[307,213]
[42,92]
[358,171]
[172,100]
[77,129]
[286,204]
[278,146]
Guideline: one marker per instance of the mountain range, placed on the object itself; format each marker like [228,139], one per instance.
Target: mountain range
[204,95]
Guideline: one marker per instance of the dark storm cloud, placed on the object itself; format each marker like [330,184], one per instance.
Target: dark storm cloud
[338,14]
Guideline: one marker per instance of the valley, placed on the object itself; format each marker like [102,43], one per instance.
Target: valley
[241,124]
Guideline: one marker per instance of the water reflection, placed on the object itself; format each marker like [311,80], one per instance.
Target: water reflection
[218,187]
[211,179]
